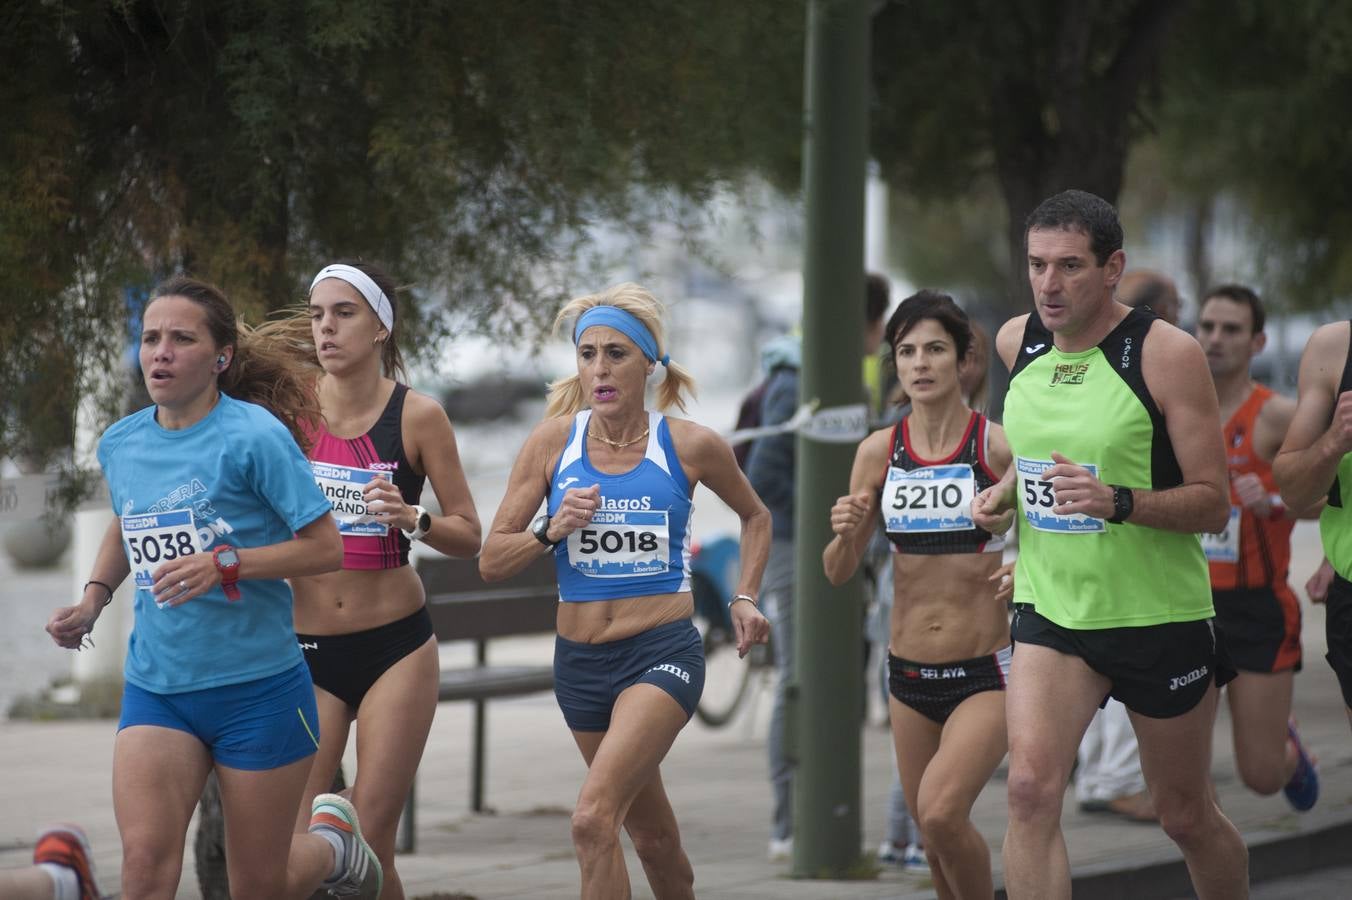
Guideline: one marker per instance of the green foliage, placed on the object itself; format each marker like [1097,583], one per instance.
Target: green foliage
[1034,96]
[1259,110]
[468,145]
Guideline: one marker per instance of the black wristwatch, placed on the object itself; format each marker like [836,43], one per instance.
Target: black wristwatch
[1123,503]
[540,528]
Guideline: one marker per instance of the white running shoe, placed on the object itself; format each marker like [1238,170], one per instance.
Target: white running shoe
[361,876]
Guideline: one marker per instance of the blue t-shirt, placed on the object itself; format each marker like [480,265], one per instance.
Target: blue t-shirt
[638,541]
[236,477]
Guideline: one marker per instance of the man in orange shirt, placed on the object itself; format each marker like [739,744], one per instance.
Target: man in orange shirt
[1256,610]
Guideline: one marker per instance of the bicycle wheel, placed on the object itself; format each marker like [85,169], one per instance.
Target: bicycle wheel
[725,676]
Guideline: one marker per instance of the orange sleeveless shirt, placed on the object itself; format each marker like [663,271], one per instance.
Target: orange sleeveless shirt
[1264,544]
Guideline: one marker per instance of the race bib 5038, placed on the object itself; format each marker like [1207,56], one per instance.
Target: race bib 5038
[933,498]
[1038,496]
[621,544]
[156,538]
[342,485]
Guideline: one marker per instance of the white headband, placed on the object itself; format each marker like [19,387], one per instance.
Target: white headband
[368,288]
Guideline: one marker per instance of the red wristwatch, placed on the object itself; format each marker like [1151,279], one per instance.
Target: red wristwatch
[226,559]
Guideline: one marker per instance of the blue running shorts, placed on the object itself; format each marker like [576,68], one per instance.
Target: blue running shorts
[588,678]
[254,725]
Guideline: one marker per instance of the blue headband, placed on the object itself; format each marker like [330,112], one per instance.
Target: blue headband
[625,323]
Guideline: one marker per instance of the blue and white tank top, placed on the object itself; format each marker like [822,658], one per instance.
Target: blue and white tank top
[638,542]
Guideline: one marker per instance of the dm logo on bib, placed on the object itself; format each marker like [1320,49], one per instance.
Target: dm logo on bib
[1069,373]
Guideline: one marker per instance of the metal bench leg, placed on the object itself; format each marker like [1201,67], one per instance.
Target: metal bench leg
[477,767]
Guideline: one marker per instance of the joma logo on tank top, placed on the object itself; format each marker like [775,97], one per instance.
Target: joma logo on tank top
[1069,373]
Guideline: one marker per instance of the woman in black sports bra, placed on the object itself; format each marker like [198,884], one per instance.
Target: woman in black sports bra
[365,630]
[949,648]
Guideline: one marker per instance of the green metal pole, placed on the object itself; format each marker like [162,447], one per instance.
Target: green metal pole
[826,704]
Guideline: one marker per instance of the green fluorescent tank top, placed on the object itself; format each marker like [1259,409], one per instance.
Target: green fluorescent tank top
[1335,522]
[1093,407]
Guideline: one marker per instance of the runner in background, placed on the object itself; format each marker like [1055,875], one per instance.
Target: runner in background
[365,630]
[949,649]
[1255,608]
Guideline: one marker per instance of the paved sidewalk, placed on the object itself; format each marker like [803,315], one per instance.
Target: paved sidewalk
[717,780]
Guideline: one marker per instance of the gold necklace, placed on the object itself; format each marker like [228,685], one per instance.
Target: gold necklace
[618,445]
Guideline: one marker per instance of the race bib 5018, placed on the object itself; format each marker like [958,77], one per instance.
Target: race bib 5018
[933,498]
[621,544]
[1038,496]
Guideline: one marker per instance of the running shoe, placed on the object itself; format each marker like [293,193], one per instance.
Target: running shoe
[361,876]
[914,859]
[66,845]
[780,849]
[1302,791]
[891,854]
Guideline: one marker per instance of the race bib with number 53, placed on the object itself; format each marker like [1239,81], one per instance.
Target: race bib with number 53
[155,538]
[1039,496]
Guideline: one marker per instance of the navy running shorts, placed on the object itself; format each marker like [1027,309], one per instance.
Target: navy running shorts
[589,678]
[254,725]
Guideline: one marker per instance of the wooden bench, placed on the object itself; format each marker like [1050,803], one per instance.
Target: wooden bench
[466,608]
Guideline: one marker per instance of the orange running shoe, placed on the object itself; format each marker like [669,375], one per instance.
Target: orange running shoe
[66,845]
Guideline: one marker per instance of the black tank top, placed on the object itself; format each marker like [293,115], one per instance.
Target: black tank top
[929,511]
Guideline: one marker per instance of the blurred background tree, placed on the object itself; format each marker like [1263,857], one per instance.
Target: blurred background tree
[475,147]
[468,145]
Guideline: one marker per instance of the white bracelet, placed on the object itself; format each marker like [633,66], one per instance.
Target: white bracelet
[747,597]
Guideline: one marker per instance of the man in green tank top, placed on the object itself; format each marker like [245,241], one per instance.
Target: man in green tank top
[1118,466]
[1316,461]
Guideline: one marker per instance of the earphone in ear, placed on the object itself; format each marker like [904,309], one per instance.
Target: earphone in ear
[220,361]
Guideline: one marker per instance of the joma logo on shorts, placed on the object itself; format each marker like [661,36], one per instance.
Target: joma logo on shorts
[674,670]
[1179,681]
[1069,373]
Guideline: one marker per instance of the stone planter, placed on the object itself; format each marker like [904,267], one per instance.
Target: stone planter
[33,543]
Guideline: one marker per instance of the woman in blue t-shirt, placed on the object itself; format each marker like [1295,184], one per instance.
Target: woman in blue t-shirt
[215,506]
[628,663]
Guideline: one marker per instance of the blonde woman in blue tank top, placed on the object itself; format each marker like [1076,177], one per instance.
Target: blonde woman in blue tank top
[617,480]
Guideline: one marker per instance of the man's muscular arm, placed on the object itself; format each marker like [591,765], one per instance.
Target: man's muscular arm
[1177,377]
[1308,461]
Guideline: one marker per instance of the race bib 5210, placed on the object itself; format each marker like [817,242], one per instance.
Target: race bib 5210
[342,485]
[933,498]
[1038,496]
[156,538]
[621,544]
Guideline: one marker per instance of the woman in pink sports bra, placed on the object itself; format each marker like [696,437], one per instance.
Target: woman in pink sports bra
[364,629]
